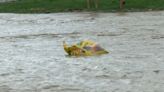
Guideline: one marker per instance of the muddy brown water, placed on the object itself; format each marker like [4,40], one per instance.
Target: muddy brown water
[32,58]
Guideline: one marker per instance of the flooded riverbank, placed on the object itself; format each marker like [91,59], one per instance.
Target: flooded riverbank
[32,58]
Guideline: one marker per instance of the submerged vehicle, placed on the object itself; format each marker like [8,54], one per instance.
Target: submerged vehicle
[84,48]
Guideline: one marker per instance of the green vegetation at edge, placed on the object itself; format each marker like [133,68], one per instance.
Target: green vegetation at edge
[50,6]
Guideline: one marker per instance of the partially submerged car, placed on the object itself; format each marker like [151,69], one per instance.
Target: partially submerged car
[84,48]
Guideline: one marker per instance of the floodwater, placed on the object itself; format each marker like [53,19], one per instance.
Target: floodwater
[32,58]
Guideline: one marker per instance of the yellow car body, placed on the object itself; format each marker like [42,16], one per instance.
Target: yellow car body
[84,48]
